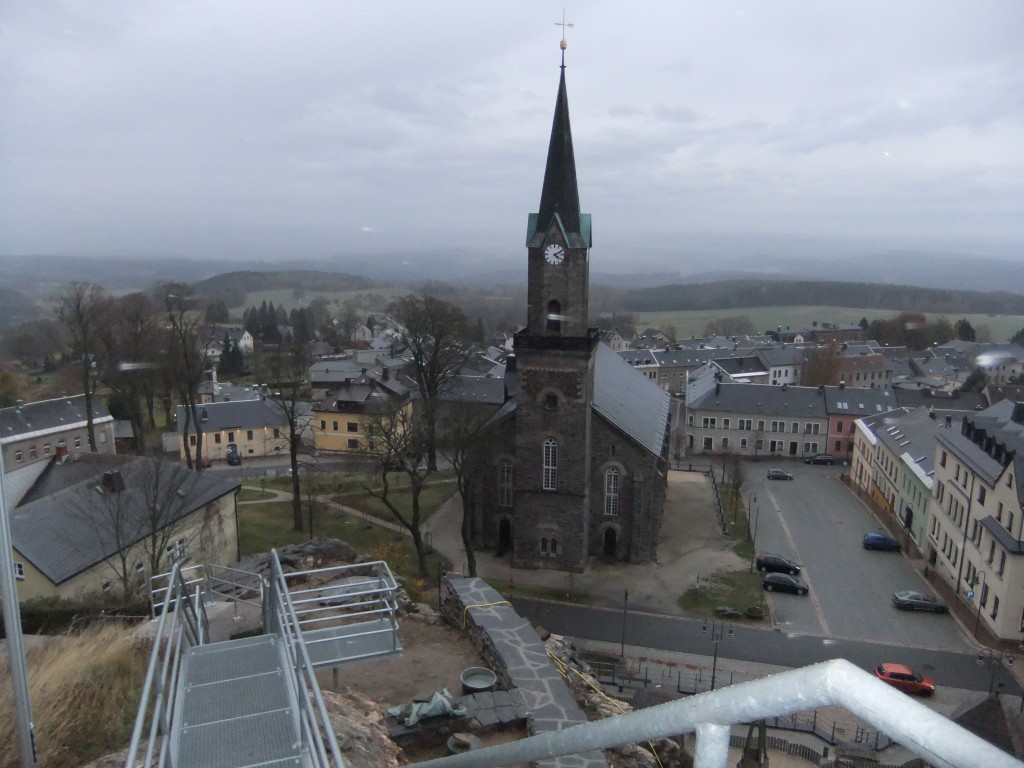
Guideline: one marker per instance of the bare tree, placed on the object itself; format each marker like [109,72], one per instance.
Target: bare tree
[465,445]
[821,368]
[287,365]
[185,359]
[82,308]
[401,440]
[131,340]
[432,331]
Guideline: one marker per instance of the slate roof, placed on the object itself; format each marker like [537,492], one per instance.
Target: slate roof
[911,435]
[784,355]
[630,401]
[859,401]
[957,400]
[46,417]
[241,414]
[681,358]
[474,389]
[765,400]
[65,533]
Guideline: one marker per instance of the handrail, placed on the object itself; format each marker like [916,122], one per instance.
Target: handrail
[359,594]
[838,682]
[182,621]
[315,721]
[160,584]
[220,577]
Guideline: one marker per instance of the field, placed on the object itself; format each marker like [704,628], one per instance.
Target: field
[692,324]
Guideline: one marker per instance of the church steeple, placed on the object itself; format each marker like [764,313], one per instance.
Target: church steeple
[560,194]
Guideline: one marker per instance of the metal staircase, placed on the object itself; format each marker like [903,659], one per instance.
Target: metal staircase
[255,701]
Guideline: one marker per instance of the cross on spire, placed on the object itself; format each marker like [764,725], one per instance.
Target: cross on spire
[563,45]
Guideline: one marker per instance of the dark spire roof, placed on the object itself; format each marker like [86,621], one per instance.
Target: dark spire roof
[560,195]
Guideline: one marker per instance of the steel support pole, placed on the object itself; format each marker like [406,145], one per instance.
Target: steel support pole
[15,643]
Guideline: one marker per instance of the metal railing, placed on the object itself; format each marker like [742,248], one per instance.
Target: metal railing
[345,595]
[194,577]
[928,734]
[236,585]
[181,624]
[316,731]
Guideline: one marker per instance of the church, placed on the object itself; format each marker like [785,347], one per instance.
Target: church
[578,457]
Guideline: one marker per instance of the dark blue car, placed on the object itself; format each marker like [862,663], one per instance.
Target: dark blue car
[882,542]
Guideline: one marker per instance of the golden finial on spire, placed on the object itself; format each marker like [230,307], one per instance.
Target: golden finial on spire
[563,45]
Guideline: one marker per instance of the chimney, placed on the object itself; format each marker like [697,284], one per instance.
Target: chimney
[385,374]
[949,421]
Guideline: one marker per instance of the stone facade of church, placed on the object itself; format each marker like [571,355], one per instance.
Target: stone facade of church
[579,456]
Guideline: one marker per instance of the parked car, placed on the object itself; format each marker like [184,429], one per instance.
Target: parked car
[820,458]
[233,456]
[911,600]
[779,474]
[882,542]
[907,680]
[783,582]
[775,564]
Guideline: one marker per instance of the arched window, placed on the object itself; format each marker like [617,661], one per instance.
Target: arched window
[550,464]
[554,546]
[611,492]
[554,316]
[505,484]
[543,546]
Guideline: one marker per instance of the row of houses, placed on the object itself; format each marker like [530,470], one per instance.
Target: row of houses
[950,481]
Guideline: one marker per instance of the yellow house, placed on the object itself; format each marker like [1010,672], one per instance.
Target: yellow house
[96,525]
[345,420]
[255,427]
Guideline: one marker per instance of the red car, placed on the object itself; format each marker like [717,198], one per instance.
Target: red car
[907,680]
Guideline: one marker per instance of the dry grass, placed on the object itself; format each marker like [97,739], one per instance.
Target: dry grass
[84,691]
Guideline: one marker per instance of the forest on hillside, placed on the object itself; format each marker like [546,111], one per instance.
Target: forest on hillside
[734,294]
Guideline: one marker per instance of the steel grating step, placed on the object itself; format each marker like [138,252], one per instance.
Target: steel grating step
[236,707]
[247,741]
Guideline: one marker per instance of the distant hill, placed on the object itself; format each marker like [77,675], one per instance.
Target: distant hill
[232,287]
[16,308]
[736,294]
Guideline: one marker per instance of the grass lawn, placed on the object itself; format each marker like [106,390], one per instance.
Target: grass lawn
[431,498]
[249,493]
[263,527]
[736,589]
[543,593]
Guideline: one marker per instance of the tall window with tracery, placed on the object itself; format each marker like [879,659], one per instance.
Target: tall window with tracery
[550,464]
[611,492]
[505,484]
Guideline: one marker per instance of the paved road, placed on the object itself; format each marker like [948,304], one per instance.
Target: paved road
[815,520]
[676,634]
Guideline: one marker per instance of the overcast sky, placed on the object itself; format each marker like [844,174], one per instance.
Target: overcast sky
[228,128]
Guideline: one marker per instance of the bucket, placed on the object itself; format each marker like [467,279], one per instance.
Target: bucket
[477,679]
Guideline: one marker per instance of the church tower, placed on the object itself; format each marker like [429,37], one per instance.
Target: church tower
[555,367]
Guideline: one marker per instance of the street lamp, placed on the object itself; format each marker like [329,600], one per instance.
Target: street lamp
[753,540]
[984,586]
[993,660]
[751,498]
[717,630]
[625,603]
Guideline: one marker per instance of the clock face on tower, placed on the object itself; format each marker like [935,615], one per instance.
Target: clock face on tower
[554,254]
